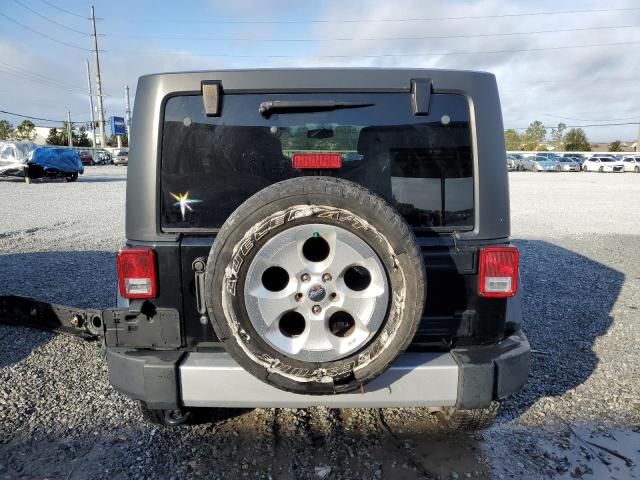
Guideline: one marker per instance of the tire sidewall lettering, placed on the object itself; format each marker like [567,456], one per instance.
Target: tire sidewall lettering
[256,237]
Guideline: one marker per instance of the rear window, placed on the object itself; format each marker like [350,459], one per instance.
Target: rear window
[422,165]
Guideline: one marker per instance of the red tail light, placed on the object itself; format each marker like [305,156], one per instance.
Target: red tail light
[498,272]
[137,273]
[317,161]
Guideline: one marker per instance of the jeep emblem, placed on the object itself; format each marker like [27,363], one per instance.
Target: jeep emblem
[316,293]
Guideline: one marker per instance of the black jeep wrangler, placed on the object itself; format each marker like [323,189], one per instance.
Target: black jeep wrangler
[334,237]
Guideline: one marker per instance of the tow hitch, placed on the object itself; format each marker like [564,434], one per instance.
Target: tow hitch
[141,325]
[27,312]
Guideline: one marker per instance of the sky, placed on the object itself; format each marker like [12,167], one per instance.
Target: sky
[43,73]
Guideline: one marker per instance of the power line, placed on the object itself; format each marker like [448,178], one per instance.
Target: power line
[38,118]
[29,75]
[37,81]
[593,119]
[43,34]
[387,20]
[49,19]
[367,39]
[628,87]
[63,10]
[385,55]
[572,81]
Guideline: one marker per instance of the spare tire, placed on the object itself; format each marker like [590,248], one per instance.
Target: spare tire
[315,285]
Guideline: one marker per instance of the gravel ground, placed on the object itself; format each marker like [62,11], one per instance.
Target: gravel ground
[579,415]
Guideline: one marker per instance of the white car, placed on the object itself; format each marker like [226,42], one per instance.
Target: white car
[602,163]
[631,164]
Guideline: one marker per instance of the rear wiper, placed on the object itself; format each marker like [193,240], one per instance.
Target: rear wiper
[296,106]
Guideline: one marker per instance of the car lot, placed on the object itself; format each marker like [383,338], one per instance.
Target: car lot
[580,258]
[570,162]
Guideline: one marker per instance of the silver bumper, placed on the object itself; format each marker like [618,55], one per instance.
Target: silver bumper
[468,377]
[414,380]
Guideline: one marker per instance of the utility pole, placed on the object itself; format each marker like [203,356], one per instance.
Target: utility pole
[70,135]
[98,81]
[93,130]
[127,113]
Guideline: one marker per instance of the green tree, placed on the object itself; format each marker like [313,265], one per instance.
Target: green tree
[576,141]
[6,130]
[557,136]
[615,146]
[534,135]
[82,139]
[26,131]
[54,137]
[63,134]
[60,136]
[113,141]
[512,139]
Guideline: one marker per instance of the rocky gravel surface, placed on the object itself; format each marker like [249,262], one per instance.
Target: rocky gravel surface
[578,417]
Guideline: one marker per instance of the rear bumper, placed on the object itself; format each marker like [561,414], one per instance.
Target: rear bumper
[468,377]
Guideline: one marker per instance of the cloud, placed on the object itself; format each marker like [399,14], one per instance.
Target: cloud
[593,84]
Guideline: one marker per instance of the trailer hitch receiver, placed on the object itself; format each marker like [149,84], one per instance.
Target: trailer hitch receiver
[27,312]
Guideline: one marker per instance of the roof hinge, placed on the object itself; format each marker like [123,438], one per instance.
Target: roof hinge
[420,95]
[212,97]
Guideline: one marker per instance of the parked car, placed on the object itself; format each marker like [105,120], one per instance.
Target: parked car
[14,157]
[567,164]
[47,162]
[602,163]
[121,158]
[548,155]
[86,158]
[525,164]
[103,157]
[538,163]
[631,164]
[514,160]
[577,157]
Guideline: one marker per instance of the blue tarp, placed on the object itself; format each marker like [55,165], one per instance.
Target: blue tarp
[65,160]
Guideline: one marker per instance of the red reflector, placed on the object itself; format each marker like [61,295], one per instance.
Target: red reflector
[317,161]
[137,273]
[498,272]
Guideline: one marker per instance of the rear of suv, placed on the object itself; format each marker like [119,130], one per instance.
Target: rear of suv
[333,237]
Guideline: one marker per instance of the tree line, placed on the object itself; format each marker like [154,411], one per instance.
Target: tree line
[26,131]
[563,140]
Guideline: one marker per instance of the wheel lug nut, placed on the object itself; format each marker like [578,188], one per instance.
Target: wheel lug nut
[298,297]
[333,297]
[305,277]
[327,277]
[316,309]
